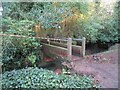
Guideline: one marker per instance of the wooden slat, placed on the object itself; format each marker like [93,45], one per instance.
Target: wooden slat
[83,46]
[77,49]
[59,44]
[76,39]
[59,51]
[69,47]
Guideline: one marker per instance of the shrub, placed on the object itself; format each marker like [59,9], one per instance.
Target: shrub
[41,78]
[18,50]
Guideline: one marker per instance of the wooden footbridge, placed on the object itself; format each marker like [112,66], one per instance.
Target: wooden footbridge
[63,48]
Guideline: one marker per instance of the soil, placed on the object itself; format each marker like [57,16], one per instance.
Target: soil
[102,66]
[100,63]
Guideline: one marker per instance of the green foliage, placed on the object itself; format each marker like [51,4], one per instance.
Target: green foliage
[15,48]
[32,58]
[82,6]
[89,29]
[48,14]
[44,13]
[98,24]
[41,78]
[110,32]
[109,21]
[16,10]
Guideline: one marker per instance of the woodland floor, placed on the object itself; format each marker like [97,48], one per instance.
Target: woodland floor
[102,66]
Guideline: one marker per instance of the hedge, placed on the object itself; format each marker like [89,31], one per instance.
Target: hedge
[42,78]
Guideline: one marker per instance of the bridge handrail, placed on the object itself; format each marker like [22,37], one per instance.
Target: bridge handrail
[56,39]
[68,40]
[77,39]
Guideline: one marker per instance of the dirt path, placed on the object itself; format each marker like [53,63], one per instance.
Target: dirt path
[103,66]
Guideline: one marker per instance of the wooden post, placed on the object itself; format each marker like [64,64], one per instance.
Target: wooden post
[48,40]
[69,46]
[60,40]
[83,46]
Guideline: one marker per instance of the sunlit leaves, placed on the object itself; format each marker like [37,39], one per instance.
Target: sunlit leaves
[76,16]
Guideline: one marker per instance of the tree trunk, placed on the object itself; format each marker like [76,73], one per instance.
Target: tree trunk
[0,42]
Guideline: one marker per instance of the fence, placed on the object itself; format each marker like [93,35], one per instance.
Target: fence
[62,47]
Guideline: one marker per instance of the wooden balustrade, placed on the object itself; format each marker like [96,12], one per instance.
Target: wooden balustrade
[54,42]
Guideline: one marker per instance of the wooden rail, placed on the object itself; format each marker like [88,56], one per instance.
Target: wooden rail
[68,45]
[52,41]
[55,50]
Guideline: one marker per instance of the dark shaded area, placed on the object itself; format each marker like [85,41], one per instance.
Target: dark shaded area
[92,48]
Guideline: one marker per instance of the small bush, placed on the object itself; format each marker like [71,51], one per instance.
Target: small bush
[16,50]
[41,78]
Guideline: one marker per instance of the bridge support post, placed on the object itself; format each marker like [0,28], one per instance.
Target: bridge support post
[69,47]
[48,40]
[83,46]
